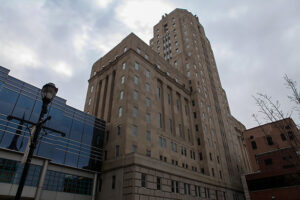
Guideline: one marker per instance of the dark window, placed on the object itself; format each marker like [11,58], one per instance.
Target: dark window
[220,174]
[143,180]
[199,142]
[270,141]
[291,135]
[113,183]
[99,185]
[105,155]
[177,187]
[185,188]
[161,157]
[202,170]
[195,115]
[268,161]
[213,171]
[117,150]
[218,158]
[200,156]
[253,144]
[196,191]
[283,138]
[158,183]
[210,156]
[173,186]
[193,103]
[118,129]
[196,127]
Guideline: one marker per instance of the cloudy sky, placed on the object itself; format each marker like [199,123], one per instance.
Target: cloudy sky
[255,42]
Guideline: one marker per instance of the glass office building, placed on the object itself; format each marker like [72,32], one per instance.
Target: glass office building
[80,148]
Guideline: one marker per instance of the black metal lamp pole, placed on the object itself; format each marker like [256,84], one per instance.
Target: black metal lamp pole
[48,93]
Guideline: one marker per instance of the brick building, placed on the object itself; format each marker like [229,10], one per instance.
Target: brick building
[170,133]
[274,155]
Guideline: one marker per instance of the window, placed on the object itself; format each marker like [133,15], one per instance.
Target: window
[147,102]
[123,65]
[90,100]
[159,120]
[270,141]
[253,144]
[210,156]
[138,50]
[212,171]
[173,186]
[135,95]
[220,173]
[135,111]
[148,136]
[291,135]
[147,73]
[134,130]
[199,141]
[148,118]
[134,148]
[195,115]
[136,65]
[169,98]
[158,92]
[92,88]
[147,87]
[179,130]
[283,138]
[113,183]
[122,80]
[125,49]
[143,180]
[196,127]
[160,141]
[121,95]
[164,143]
[136,80]
[158,183]
[118,130]
[268,161]
[200,156]
[185,188]
[175,64]
[105,155]
[170,126]
[148,153]
[120,111]
[146,56]
[117,150]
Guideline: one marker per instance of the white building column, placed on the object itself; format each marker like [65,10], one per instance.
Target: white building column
[41,181]
[94,186]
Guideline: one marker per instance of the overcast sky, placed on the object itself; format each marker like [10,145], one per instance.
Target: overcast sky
[255,42]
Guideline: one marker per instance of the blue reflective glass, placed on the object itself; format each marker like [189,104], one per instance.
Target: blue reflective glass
[61,182]
[23,107]
[8,100]
[82,145]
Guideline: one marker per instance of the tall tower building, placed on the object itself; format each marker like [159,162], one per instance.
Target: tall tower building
[170,133]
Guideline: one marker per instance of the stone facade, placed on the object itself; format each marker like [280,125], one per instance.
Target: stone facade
[167,117]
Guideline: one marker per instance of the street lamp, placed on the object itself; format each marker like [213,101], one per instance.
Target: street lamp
[48,93]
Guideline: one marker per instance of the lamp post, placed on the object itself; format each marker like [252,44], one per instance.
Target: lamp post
[48,93]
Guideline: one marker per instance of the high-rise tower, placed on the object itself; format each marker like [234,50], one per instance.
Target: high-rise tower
[169,132]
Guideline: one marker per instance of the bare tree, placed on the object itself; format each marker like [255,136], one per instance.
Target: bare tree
[271,112]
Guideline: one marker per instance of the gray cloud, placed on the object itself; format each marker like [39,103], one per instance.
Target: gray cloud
[255,43]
